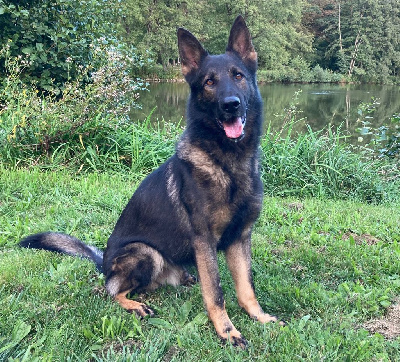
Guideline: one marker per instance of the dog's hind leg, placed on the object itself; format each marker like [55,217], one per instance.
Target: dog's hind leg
[140,268]
[134,269]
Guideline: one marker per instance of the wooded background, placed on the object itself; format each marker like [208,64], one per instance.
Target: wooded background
[296,40]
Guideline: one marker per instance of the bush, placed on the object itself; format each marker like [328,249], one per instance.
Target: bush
[299,70]
[55,37]
[73,128]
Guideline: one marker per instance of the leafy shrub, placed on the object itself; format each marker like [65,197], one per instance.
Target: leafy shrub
[55,37]
[73,128]
[299,70]
[320,75]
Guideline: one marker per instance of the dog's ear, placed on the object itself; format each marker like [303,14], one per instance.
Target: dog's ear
[191,51]
[240,43]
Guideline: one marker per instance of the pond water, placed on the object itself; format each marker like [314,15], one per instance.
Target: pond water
[321,104]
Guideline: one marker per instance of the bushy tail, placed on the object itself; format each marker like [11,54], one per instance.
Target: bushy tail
[65,244]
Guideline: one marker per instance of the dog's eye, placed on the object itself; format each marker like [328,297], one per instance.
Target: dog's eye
[239,76]
[209,82]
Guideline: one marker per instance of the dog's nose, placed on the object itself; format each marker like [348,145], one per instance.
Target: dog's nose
[231,104]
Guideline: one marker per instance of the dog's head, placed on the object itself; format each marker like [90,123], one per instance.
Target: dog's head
[221,85]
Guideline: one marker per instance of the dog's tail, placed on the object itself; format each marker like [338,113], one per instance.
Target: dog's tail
[65,244]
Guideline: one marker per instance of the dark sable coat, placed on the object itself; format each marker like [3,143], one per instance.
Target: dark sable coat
[205,198]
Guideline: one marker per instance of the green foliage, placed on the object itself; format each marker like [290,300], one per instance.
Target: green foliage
[56,38]
[275,27]
[82,128]
[313,40]
[301,40]
[358,38]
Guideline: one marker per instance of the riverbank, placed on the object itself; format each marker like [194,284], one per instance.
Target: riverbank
[311,164]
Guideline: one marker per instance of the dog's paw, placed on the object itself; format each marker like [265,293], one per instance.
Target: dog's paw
[142,310]
[267,318]
[188,279]
[235,338]
[240,342]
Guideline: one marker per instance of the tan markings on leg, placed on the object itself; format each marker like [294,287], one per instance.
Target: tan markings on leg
[141,309]
[239,263]
[207,265]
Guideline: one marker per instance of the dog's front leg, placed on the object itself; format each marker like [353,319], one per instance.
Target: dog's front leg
[238,257]
[207,266]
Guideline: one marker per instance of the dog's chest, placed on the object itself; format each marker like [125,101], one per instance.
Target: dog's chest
[225,187]
[230,192]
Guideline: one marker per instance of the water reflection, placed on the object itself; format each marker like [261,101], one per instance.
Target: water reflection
[321,104]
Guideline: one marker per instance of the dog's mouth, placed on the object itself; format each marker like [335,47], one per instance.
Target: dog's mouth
[233,127]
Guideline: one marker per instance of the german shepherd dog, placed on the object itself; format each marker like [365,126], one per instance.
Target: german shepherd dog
[205,198]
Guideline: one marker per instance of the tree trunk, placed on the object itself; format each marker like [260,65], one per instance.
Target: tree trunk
[354,55]
[340,30]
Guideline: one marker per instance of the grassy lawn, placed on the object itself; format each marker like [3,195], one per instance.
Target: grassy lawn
[329,268]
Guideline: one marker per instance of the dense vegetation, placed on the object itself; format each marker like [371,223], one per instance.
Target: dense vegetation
[84,131]
[299,40]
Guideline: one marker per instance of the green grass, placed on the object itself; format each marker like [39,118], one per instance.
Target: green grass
[321,164]
[326,266]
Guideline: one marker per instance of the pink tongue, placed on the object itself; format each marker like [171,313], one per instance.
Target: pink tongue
[235,129]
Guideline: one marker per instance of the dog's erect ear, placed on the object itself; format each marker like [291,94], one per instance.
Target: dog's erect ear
[240,42]
[191,51]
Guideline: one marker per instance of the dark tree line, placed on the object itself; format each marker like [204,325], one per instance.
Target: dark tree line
[357,39]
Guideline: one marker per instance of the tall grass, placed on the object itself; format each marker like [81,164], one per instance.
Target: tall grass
[78,132]
[320,164]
